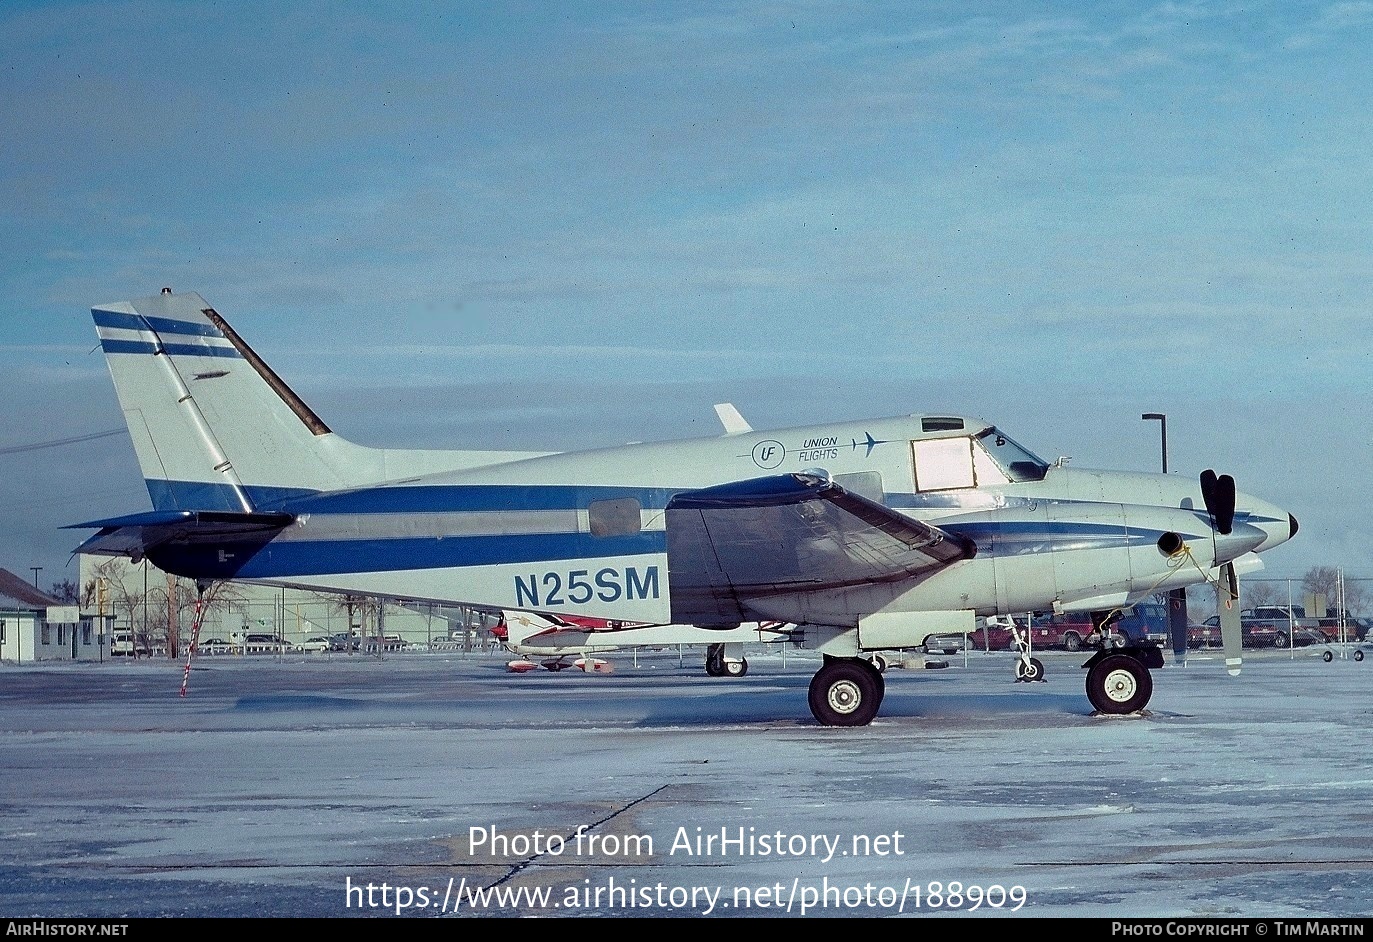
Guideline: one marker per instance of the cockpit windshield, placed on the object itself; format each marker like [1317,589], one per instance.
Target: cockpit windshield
[1018,463]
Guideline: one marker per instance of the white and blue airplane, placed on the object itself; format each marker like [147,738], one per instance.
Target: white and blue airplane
[864,536]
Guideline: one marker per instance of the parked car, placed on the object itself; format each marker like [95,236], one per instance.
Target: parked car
[994,634]
[1355,628]
[951,643]
[215,646]
[343,642]
[389,643]
[313,643]
[1254,634]
[1146,622]
[1070,631]
[122,644]
[264,644]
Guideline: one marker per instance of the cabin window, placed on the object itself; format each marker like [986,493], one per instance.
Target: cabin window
[619,517]
[943,464]
[939,423]
[863,483]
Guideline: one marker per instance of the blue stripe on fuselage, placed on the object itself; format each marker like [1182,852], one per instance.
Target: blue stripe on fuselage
[313,558]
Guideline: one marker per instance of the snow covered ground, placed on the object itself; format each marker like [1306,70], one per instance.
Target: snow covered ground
[432,784]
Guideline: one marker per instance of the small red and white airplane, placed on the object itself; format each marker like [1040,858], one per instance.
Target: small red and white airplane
[557,642]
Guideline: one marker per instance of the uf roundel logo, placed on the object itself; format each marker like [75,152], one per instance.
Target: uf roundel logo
[769,454]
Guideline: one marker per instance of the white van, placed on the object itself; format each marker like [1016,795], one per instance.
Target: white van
[121,644]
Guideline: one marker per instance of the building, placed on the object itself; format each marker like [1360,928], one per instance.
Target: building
[34,626]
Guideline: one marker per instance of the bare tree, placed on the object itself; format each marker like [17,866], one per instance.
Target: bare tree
[65,591]
[1254,594]
[1325,581]
[1355,597]
[124,600]
[175,605]
[1322,581]
[361,611]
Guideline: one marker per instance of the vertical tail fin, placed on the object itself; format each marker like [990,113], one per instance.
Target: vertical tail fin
[216,429]
[213,426]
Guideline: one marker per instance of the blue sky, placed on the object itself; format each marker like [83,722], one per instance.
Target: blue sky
[571,225]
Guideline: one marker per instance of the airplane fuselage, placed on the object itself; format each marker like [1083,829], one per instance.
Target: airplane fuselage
[582,533]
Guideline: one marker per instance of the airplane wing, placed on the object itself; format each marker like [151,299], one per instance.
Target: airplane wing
[786,534]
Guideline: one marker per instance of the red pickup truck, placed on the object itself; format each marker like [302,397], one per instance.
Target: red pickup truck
[1145,622]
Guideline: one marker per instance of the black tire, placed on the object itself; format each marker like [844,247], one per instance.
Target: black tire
[845,692]
[1358,655]
[1328,656]
[879,663]
[736,668]
[1072,641]
[1118,684]
[715,661]
[878,679]
[1280,640]
[1029,673]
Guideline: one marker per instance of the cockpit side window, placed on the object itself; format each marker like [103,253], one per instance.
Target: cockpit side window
[1018,463]
[987,470]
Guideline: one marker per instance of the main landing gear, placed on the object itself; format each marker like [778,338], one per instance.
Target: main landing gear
[1118,679]
[846,691]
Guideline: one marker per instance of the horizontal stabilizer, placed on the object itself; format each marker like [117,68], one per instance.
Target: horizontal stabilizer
[135,535]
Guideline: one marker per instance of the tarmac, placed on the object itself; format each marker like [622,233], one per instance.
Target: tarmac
[441,785]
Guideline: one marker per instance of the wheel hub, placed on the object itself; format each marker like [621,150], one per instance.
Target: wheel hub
[1120,686]
[844,697]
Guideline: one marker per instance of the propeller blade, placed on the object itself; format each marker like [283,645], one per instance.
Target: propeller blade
[1177,622]
[1218,493]
[1228,607]
[1208,490]
[1225,503]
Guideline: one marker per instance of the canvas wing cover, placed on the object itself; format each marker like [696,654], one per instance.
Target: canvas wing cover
[788,534]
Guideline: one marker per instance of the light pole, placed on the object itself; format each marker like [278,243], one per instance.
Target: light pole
[1177,598]
[1162,431]
[36,571]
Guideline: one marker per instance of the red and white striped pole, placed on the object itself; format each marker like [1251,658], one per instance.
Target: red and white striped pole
[195,639]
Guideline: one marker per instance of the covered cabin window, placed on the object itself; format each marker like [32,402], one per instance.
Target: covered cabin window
[943,464]
[619,517]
